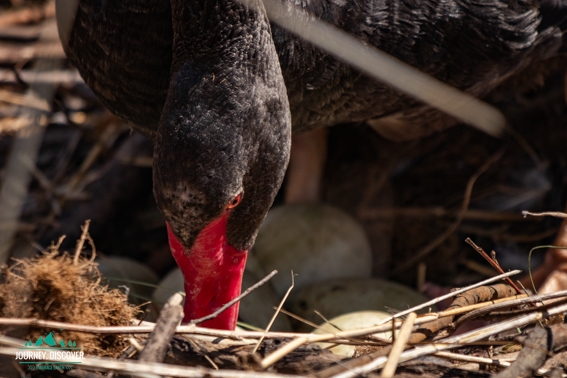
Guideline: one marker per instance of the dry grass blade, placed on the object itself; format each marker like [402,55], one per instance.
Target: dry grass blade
[299,318]
[277,311]
[398,346]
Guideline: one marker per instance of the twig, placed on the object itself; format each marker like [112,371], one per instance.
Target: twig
[283,351]
[398,346]
[452,294]
[134,346]
[492,310]
[298,318]
[440,212]
[456,341]
[235,300]
[480,360]
[133,367]
[326,320]
[509,301]
[81,241]
[499,233]
[555,214]
[538,345]
[148,327]
[277,311]
[158,341]
[493,263]
[55,247]
[517,300]
[145,327]
[380,327]
[294,344]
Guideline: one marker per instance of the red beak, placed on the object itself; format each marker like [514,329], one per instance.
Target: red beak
[213,272]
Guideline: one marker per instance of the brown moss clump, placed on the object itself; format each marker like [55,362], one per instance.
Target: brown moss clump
[54,287]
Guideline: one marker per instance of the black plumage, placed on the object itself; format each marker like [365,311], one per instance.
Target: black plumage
[207,80]
[124,51]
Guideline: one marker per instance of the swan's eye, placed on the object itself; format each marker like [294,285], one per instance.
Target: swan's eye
[234,202]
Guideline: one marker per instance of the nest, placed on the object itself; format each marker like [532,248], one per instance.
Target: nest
[82,161]
[424,345]
[54,286]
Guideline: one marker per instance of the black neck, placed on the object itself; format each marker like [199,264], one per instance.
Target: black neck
[208,27]
[226,118]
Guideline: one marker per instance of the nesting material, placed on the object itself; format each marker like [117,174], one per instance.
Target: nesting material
[54,287]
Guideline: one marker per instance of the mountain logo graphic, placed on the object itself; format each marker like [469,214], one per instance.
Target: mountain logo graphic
[49,340]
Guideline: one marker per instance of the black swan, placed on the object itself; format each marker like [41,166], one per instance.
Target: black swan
[220,91]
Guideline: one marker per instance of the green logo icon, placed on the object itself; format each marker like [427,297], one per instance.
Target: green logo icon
[49,340]
[47,353]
